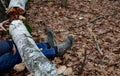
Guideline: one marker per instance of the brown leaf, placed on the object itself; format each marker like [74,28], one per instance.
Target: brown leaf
[68,71]
[19,67]
[61,69]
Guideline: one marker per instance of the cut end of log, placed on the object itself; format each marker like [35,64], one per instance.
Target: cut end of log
[15,12]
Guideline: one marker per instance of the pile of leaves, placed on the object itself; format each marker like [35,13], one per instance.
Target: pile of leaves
[95,26]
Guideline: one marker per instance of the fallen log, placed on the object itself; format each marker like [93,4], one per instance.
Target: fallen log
[31,55]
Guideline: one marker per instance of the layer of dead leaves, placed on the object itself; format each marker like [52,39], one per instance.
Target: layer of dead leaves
[83,58]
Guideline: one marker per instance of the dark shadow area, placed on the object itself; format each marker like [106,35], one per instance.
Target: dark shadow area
[3,15]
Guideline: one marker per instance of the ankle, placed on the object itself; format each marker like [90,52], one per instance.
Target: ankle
[56,51]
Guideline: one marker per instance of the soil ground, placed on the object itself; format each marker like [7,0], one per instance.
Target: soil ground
[90,22]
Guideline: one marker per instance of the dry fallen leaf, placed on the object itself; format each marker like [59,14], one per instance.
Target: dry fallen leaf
[61,69]
[68,71]
[30,74]
[22,17]
[19,67]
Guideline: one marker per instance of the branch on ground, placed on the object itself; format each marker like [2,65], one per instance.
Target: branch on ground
[81,69]
[96,42]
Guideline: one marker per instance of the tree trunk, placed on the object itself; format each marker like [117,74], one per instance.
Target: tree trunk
[34,59]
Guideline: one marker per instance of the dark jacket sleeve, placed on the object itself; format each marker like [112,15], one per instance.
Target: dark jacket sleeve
[5,46]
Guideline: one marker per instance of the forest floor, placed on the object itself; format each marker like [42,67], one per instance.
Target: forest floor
[95,26]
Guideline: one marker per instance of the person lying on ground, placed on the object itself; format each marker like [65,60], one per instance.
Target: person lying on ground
[9,55]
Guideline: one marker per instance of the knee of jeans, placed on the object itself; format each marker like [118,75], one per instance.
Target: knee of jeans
[41,45]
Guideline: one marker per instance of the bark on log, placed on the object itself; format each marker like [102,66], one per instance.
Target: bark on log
[17,3]
[8,4]
[35,61]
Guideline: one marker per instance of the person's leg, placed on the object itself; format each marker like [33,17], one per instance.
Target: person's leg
[5,46]
[8,60]
[49,52]
[57,49]
[60,48]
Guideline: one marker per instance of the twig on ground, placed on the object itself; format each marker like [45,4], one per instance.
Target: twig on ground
[96,19]
[104,32]
[83,63]
[96,42]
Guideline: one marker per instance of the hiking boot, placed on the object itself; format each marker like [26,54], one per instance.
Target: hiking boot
[50,37]
[64,46]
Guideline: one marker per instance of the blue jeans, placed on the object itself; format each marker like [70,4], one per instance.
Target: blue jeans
[8,60]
